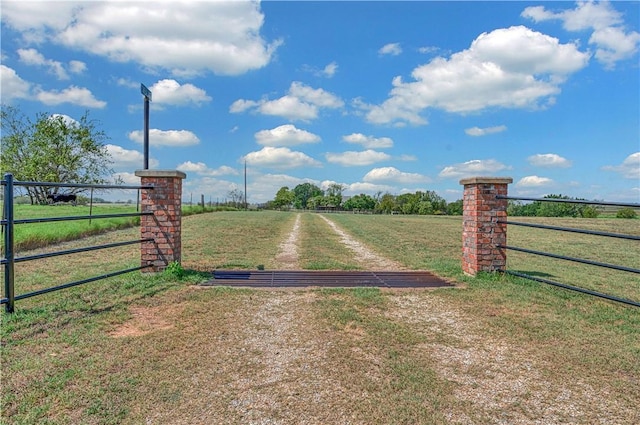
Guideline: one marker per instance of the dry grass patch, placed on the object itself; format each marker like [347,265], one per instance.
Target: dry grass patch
[234,240]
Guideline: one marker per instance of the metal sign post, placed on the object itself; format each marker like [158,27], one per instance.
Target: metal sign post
[147,98]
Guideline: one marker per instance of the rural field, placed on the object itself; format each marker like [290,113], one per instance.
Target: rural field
[163,349]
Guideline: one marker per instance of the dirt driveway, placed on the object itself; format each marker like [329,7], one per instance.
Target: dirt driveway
[318,357]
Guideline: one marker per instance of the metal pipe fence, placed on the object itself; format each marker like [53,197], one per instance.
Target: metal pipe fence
[572,259]
[9,221]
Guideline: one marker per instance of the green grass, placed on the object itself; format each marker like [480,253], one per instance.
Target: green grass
[234,240]
[35,235]
[320,248]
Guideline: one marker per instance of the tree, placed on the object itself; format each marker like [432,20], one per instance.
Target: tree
[387,204]
[237,197]
[284,198]
[334,194]
[303,192]
[455,207]
[360,202]
[53,149]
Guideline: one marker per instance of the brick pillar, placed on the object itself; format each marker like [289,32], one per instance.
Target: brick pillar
[481,233]
[165,225]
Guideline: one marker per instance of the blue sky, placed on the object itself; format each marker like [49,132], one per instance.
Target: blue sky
[377,96]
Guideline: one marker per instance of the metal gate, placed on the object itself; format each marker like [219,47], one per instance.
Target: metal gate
[9,222]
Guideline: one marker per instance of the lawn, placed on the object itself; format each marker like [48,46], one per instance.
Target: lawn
[161,349]
[34,235]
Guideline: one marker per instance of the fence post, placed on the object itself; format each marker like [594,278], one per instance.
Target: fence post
[9,292]
[481,232]
[165,225]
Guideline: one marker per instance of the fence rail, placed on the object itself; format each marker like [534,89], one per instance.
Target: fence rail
[8,222]
[571,201]
[572,259]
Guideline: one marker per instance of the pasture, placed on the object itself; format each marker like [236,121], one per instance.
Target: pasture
[161,349]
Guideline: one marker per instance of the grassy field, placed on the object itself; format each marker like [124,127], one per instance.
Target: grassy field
[163,350]
[34,235]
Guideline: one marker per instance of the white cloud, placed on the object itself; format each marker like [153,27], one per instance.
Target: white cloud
[213,189]
[12,86]
[127,178]
[34,58]
[75,95]
[407,158]
[202,169]
[281,158]
[166,137]
[66,119]
[242,105]
[183,38]
[477,131]
[170,92]
[508,68]
[368,188]
[393,175]
[612,41]
[392,49]
[77,67]
[473,168]
[126,82]
[351,159]
[285,135]
[263,187]
[289,107]
[300,103]
[330,70]
[368,142]
[428,49]
[125,159]
[549,160]
[534,181]
[317,97]
[614,45]
[630,167]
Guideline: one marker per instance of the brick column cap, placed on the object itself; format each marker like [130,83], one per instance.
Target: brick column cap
[160,173]
[486,180]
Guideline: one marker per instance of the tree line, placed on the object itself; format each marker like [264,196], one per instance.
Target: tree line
[310,196]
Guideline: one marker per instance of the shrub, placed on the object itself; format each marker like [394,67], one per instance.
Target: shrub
[626,213]
[589,212]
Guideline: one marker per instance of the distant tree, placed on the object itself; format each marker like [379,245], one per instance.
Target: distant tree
[557,209]
[303,192]
[316,201]
[517,208]
[387,204]
[284,198]
[334,194]
[360,202]
[237,197]
[425,208]
[53,149]
[455,207]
